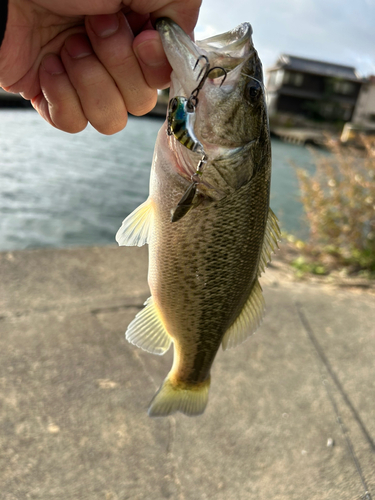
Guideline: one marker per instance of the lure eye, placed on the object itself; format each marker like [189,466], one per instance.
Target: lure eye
[173,105]
[253,90]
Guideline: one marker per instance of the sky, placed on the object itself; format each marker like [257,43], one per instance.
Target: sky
[337,31]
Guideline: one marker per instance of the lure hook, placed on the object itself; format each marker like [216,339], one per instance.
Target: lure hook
[206,70]
[188,199]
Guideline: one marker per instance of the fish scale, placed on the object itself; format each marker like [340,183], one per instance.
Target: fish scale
[204,268]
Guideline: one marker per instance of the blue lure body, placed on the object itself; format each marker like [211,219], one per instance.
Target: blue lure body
[181,118]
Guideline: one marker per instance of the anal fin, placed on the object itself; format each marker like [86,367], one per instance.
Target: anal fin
[135,229]
[247,321]
[272,236]
[147,330]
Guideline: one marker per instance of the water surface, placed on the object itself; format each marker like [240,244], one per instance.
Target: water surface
[60,190]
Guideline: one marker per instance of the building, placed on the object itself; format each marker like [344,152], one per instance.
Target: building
[364,113]
[316,90]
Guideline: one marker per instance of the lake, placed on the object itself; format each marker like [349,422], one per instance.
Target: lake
[60,190]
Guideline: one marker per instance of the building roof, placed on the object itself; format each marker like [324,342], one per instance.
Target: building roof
[317,67]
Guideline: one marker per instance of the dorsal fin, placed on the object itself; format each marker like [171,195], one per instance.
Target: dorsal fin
[272,236]
[147,330]
[247,321]
[136,228]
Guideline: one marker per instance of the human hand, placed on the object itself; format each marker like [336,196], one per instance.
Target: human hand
[82,61]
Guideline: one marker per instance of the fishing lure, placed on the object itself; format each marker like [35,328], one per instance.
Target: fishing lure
[181,111]
[181,119]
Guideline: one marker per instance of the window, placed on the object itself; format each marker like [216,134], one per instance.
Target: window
[341,87]
[292,78]
[297,79]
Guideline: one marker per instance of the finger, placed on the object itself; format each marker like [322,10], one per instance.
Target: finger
[40,104]
[112,39]
[59,103]
[152,59]
[137,22]
[101,100]
[183,12]
[28,84]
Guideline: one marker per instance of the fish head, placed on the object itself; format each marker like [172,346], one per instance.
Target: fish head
[223,77]
[231,108]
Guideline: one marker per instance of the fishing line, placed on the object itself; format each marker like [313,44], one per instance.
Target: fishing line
[323,361]
[258,81]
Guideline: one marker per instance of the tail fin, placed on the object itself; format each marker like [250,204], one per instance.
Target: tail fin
[170,398]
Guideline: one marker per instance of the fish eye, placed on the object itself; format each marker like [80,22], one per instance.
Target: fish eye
[253,90]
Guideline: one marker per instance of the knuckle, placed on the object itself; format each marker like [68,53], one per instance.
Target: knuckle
[119,63]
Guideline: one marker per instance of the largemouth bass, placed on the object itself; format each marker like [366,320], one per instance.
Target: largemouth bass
[204,268]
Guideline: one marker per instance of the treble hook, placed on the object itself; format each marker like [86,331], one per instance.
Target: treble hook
[205,66]
[206,70]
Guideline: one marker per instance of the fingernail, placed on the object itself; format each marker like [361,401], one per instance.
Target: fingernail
[104,25]
[78,46]
[151,53]
[52,64]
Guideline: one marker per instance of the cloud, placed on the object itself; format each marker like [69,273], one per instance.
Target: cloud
[206,31]
[332,30]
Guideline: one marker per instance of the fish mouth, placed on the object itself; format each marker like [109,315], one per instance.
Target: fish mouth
[234,42]
[228,51]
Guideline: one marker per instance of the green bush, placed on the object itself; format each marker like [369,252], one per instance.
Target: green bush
[339,201]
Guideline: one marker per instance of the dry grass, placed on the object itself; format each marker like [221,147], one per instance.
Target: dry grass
[339,202]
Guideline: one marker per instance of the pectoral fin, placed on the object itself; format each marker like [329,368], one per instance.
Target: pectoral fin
[147,330]
[227,172]
[136,228]
[248,320]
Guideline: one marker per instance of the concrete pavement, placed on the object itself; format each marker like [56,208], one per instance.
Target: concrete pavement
[74,393]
